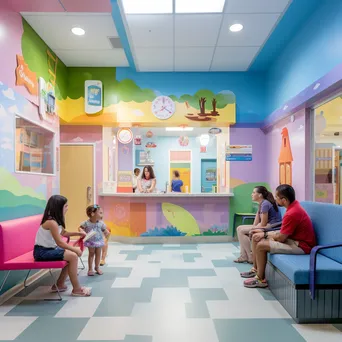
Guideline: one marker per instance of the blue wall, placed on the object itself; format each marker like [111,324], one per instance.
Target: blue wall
[248,87]
[315,50]
[160,156]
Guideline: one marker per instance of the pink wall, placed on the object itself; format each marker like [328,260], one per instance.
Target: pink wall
[298,142]
[86,134]
[11,31]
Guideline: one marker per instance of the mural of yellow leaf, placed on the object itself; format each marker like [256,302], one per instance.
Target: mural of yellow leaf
[120,230]
[180,218]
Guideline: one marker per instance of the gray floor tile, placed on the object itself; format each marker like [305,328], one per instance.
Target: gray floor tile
[190,257]
[36,308]
[53,330]
[257,330]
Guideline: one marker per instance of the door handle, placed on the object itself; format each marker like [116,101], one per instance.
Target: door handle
[89,194]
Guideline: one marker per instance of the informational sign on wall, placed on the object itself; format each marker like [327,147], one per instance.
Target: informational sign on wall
[239,153]
[93,97]
[47,107]
[125,179]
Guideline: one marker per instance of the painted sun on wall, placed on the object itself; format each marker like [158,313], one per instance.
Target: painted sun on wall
[166,219]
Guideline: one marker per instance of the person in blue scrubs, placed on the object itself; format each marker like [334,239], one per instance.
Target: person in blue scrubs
[176,182]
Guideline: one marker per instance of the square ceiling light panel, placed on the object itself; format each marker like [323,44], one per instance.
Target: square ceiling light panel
[199,6]
[148,6]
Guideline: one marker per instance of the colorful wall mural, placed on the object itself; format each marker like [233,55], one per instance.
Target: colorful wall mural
[297,135]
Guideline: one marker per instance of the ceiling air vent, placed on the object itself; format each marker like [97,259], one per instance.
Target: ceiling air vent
[115,42]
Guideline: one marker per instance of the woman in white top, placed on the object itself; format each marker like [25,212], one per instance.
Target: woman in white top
[147,182]
[50,246]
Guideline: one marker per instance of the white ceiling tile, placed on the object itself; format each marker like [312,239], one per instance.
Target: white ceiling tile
[256,29]
[233,58]
[151,30]
[147,6]
[199,6]
[193,59]
[55,29]
[256,6]
[154,59]
[93,58]
[197,29]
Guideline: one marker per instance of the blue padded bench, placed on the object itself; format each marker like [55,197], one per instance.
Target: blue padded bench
[310,286]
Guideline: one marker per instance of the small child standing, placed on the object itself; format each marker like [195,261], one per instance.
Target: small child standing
[95,243]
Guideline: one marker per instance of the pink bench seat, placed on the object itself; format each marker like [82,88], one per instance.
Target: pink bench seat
[17,238]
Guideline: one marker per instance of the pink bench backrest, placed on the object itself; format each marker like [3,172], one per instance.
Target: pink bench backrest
[17,237]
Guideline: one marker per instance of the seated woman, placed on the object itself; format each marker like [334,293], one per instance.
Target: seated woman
[176,183]
[267,215]
[147,182]
[50,246]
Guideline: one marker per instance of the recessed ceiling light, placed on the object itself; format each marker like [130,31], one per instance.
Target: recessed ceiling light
[199,6]
[236,27]
[147,6]
[78,31]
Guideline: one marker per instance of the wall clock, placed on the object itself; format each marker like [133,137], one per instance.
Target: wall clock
[125,135]
[163,107]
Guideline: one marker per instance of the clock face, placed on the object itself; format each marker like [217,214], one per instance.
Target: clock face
[163,107]
[125,135]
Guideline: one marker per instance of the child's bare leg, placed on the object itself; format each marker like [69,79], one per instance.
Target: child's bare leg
[91,260]
[104,253]
[97,260]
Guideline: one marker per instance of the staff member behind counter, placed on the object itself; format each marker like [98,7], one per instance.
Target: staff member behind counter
[147,182]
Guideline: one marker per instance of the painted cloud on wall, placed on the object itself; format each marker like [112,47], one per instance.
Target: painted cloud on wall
[6,144]
[9,93]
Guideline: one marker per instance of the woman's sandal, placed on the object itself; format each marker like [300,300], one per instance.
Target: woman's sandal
[98,271]
[91,273]
[60,289]
[85,292]
[240,260]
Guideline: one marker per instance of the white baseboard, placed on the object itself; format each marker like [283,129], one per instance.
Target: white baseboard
[19,287]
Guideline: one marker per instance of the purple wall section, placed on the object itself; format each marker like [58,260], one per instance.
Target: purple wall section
[254,171]
[297,140]
[125,156]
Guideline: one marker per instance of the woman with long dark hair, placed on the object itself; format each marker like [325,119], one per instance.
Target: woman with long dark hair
[147,182]
[50,246]
[268,214]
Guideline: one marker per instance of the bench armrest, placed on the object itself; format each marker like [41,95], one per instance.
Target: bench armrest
[313,259]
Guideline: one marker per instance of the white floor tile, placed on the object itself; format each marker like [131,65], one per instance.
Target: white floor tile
[12,327]
[80,307]
[204,283]
[173,295]
[227,309]
[319,332]
[130,282]
[105,328]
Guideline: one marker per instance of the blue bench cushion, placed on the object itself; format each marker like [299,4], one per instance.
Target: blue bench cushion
[296,268]
[326,219]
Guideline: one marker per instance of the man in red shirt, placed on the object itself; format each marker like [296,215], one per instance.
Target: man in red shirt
[296,236]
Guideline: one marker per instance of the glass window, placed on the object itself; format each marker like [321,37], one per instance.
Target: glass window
[34,148]
[328,152]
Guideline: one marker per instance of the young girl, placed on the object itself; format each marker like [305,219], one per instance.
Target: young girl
[49,245]
[94,244]
[177,183]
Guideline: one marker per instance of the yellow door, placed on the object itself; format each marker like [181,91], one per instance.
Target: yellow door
[77,177]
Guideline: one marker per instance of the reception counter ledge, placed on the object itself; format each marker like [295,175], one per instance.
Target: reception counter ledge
[167,217]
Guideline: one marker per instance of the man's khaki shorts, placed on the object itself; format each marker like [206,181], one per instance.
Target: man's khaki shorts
[287,247]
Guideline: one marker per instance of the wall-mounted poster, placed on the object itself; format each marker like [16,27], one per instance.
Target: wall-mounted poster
[47,110]
[93,97]
[239,153]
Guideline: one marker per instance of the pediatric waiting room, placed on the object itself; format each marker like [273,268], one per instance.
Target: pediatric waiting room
[171,170]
